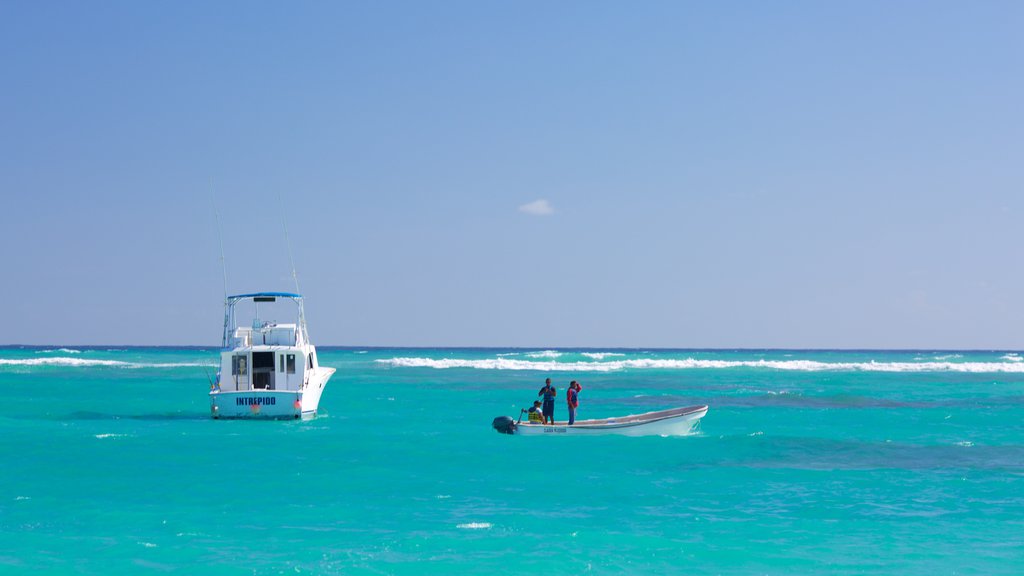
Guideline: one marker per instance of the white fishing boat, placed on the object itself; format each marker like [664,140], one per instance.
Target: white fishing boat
[673,422]
[268,369]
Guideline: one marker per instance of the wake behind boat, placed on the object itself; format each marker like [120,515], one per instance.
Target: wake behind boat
[673,422]
[268,370]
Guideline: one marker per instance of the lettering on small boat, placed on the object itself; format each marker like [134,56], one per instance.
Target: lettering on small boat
[242,401]
[555,430]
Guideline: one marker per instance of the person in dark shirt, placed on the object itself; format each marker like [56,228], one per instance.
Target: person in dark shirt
[549,393]
[572,397]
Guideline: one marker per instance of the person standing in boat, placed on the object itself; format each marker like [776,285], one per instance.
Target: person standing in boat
[549,393]
[572,397]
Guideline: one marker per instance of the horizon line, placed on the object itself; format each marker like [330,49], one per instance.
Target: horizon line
[564,348]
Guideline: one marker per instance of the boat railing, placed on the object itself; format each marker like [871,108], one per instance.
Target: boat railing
[299,335]
[266,334]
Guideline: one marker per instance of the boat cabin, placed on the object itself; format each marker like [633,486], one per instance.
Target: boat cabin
[265,355]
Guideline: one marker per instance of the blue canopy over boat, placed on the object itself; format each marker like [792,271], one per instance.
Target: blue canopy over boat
[265,295]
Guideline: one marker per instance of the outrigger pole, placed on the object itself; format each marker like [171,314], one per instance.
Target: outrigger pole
[288,242]
[223,266]
[295,276]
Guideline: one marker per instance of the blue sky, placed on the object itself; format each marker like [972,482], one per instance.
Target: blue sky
[733,174]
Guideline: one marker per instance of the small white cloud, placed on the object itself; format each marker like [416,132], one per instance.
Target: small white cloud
[538,208]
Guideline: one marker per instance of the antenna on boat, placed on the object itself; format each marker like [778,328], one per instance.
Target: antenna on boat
[288,242]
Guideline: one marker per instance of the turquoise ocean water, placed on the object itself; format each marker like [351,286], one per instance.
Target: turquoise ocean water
[808,462]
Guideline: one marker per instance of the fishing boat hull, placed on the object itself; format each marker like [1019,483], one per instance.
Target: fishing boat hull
[673,422]
[271,404]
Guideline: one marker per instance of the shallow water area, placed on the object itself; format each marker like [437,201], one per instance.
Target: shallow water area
[808,461]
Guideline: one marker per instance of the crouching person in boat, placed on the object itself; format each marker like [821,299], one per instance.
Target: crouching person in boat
[535,414]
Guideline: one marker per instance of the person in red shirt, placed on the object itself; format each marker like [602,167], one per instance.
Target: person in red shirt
[572,397]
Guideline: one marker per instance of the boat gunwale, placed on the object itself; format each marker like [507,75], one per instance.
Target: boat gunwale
[625,421]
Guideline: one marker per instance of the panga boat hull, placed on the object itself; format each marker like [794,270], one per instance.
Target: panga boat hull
[674,422]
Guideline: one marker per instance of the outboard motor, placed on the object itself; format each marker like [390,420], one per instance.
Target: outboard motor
[504,425]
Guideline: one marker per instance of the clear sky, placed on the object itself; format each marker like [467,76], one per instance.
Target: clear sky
[649,174]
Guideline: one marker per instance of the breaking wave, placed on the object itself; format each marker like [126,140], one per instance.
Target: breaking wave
[87,362]
[544,354]
[600,355]
[62,350]
[690,364]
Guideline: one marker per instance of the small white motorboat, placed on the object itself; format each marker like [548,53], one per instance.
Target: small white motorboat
[267,370]
[673,422]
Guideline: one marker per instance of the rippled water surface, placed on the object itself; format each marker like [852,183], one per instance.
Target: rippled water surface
[807,462]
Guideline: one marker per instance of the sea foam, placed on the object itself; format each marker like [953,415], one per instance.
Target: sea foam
[600,355]
[691,364]
[89,362]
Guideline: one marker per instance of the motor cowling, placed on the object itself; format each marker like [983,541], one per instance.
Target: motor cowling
[504,425]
